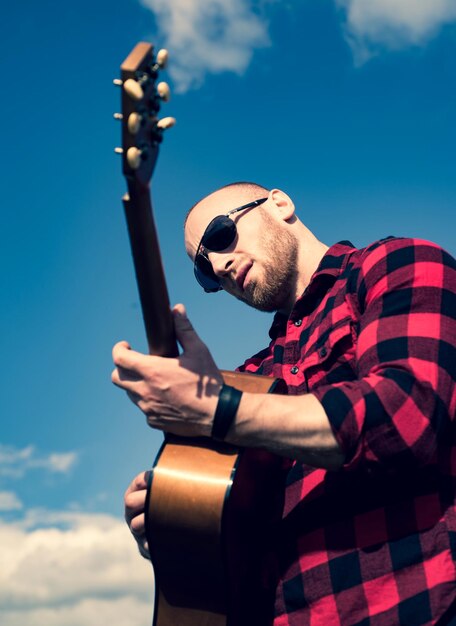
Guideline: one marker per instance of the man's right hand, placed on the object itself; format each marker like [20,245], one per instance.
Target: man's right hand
[135,501]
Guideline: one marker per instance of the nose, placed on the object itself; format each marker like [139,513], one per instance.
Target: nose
[221,262]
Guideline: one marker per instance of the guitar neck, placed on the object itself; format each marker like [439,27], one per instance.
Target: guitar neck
[150,277]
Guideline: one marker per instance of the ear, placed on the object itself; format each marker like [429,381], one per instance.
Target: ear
[284,205]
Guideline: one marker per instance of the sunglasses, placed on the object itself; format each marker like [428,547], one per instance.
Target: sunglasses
[220,233]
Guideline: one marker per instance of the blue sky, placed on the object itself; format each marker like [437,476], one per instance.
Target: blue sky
[346,105]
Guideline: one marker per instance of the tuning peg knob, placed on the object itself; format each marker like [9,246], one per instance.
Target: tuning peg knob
[118,150]
[166,122]
[134,157]
[134,122]
[162,58]
[118,116]
[117,82]
[134,89]
[164,91]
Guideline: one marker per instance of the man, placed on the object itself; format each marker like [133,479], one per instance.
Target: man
[365,340]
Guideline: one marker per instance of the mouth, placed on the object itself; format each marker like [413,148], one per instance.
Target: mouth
[242,275]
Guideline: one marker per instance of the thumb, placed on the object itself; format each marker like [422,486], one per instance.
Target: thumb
[185,333]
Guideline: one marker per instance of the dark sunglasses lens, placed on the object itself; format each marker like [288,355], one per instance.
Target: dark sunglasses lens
[205,274]
[220,233]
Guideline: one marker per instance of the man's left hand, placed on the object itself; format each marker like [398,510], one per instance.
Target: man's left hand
[178,395]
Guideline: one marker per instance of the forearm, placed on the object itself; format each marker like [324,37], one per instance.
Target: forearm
[293,426]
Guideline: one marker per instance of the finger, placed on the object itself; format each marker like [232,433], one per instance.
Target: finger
[139,482]
[138,525]
[135,496]
[134,499]
[185,333]
[125,379]
[121,344]
[144,548]
[135,503]
[123,356]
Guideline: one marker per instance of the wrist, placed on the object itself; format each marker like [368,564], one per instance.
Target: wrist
[225,412]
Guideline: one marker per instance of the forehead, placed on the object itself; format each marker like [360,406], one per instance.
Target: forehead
[217,203]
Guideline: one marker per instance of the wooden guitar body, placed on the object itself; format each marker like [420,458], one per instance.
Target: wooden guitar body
[210,517]
[211,508]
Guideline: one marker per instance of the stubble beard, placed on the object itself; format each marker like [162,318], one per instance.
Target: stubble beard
[280,270]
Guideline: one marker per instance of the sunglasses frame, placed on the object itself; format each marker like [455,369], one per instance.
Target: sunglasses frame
[202,267]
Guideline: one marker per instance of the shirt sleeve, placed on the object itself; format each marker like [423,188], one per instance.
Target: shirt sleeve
[402,404]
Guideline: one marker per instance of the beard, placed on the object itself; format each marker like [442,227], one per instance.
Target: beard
[278,289]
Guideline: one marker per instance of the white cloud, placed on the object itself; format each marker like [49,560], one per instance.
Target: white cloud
[16,462]
[372,25]
[9,501]
[125,611]
[61,462]
[213,36]
[207,36]
[69,569]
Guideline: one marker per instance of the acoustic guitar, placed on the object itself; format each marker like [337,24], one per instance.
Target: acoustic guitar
[211,508]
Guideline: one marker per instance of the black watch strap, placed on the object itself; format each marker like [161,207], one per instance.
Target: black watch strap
[228,404]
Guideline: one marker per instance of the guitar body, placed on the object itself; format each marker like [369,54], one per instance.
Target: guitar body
[210,516]
[211,508]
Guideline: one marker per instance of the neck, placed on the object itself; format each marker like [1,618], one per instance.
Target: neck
[311,252]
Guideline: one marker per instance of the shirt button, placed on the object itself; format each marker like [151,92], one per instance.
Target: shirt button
[298,323]
[294,369]
[323,352]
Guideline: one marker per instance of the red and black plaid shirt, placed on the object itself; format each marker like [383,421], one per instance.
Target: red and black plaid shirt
[373,338]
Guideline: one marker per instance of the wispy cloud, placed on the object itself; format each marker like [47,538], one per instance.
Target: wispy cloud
[65,568]
[208,36]
[392,24]
[213,36]
[16,462]
[9,501]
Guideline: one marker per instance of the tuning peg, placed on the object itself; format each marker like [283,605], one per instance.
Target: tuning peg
[166,122]
[164,91]
[134,156]
[134,122]
[118,116]
[134,89]
[162,58]
[118,150]
[117,82]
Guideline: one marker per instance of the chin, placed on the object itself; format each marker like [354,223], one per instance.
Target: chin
[263,299]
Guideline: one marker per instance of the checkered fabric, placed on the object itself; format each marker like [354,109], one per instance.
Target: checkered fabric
[373,338]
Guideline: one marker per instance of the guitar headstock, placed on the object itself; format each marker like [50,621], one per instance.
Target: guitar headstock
[142,94]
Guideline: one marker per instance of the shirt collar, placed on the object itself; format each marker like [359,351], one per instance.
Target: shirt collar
[331,266]
[334,260]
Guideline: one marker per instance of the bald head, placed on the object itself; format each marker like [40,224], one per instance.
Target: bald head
[218,202]
[243,190]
